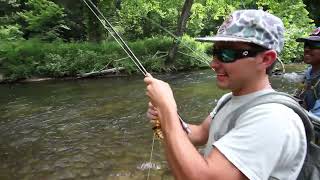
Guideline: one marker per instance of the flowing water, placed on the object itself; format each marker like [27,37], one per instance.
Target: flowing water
[95,128]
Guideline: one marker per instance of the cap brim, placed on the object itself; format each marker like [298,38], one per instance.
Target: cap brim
[311,38]
[221,38]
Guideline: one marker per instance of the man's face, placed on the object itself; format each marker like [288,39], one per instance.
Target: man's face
[240,75]
[312,53]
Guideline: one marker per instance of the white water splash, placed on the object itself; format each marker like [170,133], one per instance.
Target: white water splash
[148,165]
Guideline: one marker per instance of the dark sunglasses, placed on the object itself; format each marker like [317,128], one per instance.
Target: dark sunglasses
[312,45]
[231,55]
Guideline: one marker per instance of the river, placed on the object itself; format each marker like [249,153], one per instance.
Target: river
[95,128]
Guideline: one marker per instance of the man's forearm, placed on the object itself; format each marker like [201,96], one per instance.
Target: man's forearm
[199,133]
[198,136]
[182,155]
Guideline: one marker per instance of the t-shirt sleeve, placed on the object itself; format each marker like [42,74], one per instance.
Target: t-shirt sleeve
[258,139]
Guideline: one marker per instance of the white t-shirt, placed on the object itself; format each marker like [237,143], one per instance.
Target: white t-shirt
[267,142]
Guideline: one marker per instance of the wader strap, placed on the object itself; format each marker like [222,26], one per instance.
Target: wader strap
[275,97]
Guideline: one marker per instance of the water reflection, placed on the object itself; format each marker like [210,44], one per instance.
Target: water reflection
[93,129]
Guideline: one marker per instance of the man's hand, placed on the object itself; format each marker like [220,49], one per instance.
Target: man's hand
[152,112]
[160,93]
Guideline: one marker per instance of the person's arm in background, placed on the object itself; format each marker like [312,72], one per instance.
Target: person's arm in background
[316,108]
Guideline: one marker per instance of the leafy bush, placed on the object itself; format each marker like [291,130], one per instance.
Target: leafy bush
[33,58]
[296,21]
[44,19]
[11,32]
[192,54]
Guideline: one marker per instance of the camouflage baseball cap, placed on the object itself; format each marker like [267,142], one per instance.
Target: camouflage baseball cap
[253,26]
[314,36]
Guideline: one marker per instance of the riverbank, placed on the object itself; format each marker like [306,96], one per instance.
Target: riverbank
[298,68]
[22,60]
[35,60]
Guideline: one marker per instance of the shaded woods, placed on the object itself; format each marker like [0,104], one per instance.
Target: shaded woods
[42,38]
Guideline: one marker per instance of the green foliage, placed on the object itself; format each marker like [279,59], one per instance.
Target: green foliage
[44,19]
[296,21]
[221,8]
[11,32]
[155,51]
[33,58]
[132,15]
[7,7]
[293,14]
[208,15]
[192,54]
[198,14]
[9,28]
[18,61]
[313,7]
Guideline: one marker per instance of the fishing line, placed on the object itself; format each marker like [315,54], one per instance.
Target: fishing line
[115,35]
[125,47]
[103,20]
[151,153]
[179,40]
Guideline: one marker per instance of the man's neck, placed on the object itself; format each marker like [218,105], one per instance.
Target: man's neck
[262,84]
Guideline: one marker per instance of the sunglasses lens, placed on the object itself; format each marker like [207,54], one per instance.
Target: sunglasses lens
[225,55]
[231,55]
[228,55]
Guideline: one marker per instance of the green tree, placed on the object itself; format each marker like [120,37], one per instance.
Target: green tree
[313,6]
[296,21]
[43,19]
[94,29]
[181,26]
[9,28]
[75,15]
[133,23]
[292,12]
[7,9]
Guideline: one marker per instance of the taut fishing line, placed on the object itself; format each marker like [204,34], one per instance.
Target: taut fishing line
[108,26]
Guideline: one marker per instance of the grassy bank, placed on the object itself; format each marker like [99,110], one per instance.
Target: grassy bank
[33,58]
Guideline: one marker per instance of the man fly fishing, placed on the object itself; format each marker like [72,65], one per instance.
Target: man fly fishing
[266,142]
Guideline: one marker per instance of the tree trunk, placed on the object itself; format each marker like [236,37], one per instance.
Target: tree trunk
[93,24]
[182,23]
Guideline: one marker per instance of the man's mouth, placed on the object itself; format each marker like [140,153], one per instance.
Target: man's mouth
[221,76]
[307,55]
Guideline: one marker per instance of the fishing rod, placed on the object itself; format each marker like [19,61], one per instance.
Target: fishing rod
[108,26]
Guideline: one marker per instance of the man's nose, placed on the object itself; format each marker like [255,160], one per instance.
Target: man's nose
[215,63]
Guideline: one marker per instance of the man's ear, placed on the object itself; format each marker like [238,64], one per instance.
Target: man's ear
[269,57]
